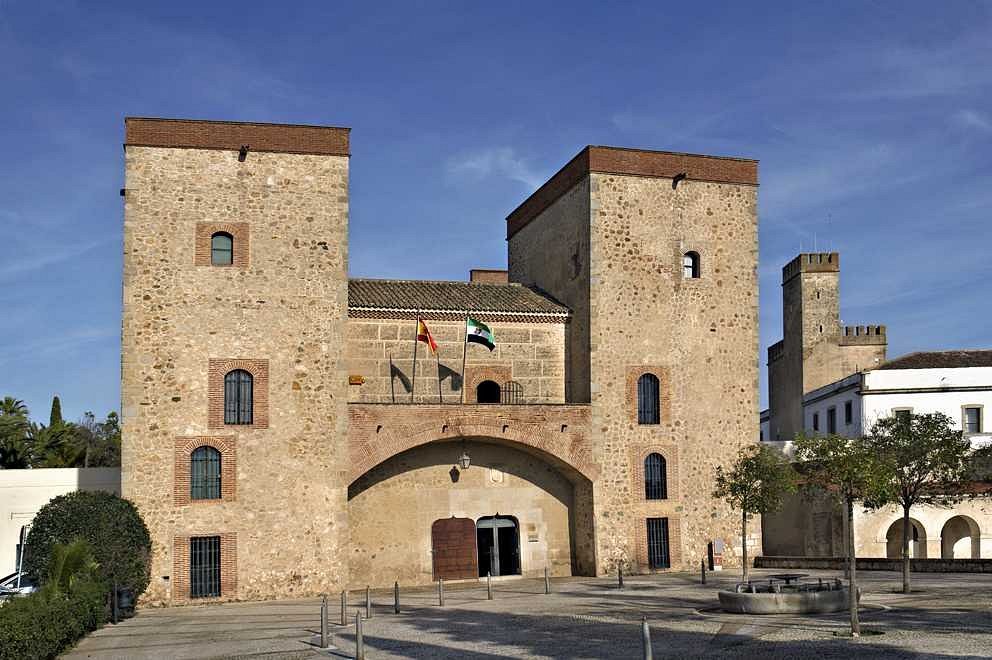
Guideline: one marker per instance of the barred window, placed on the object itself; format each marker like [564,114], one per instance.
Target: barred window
[690,265]
[238,397]
[204,474]
[972,419]
[655,477]
[513,392]
[658,552]
[221,249]
[648,404]
[204,567]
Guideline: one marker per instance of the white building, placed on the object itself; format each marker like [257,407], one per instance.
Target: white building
[956,383]
[24,492]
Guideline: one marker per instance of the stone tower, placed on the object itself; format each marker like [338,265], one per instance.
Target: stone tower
[609,236]
[815,350]
[274,307]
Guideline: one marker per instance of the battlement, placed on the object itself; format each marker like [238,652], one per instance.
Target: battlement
[776,350]
[811,262]
[863,334]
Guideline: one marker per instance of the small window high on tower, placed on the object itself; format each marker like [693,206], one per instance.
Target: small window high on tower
[690,265]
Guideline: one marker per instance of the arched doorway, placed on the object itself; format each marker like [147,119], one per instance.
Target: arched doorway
[917,540]
[960,539]
[498,541]
[488,391]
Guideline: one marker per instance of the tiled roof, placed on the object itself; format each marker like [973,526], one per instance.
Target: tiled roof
[941,360]
[405,298]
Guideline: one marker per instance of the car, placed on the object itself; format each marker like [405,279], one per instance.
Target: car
[11,587]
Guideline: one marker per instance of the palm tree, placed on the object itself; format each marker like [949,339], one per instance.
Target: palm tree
[69,563]
[15,450]
[56,446]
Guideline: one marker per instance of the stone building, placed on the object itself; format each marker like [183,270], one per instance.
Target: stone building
[281,440]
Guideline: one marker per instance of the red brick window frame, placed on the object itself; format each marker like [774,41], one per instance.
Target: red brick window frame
[220,367]
[228,567]
[637,457]
[475,375]
[228,468]
[674,544]
[239,236]
[634,373]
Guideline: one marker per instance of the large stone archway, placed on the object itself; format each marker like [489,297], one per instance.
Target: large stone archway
[917,539]
[404,477]
[960,538]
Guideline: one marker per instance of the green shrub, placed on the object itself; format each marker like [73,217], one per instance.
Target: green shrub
[112,527]
[45,623]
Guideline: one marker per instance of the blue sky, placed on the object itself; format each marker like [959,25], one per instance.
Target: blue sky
[872,122]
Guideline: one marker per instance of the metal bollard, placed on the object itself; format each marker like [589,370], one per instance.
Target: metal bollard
[368,602]
[646,637]
[323,621]
[344,607]
[440,592]
[359,641]
[702,570]
[396,597]
[489,586]
[619,577]
[547,581]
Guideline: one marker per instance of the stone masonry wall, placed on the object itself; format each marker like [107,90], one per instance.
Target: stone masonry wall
[703,330]
[286,306]
[531,354]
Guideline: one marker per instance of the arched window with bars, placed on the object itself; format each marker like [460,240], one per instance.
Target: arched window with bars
[204,474]
[238,397]
[648,401]
[655,477]
[513,392]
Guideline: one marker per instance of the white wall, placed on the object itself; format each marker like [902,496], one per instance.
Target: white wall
[24,492]
[835,395]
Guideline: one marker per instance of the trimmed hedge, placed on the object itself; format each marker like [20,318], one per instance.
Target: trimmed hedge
[44,624]
[112,526]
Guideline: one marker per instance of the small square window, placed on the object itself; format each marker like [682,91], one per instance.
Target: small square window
[972,419]
[903,414]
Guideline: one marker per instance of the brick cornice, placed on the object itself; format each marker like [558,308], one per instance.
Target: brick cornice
[631,162]
[230,136]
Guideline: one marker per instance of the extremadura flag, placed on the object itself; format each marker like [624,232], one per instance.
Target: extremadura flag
[479,333]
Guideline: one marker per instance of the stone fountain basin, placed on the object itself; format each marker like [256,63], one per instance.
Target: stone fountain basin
[786,602]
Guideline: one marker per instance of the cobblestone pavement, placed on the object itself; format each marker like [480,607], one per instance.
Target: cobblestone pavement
[947,616]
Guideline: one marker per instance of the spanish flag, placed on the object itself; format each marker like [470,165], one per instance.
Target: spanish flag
[424,335]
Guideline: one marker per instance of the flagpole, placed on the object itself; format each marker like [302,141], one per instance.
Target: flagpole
[413,388]
[392,380]
[464,355]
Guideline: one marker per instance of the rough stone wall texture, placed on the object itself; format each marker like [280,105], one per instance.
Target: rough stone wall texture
[611,248]
[552,253]
[287,306]
[533,353]
[704,330]
[504,480]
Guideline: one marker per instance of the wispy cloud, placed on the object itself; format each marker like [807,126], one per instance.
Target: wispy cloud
[502,162]
[34,261]
[51,347]
[973,119]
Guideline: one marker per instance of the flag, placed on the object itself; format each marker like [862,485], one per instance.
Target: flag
[424,335]
[479,332]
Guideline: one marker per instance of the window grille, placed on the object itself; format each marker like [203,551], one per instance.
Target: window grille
[972,420]
[903,415]
[648,404]
[238,397]
[690,265]
[204,474]
[513,392]
[655,477]
[204,567]
[221,249]
[658,553]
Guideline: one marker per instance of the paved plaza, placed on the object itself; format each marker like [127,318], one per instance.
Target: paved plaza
[948,616]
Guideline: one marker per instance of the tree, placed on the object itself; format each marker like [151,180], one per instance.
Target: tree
[848,469]
[69,564]
[100,442]
[110,524]
[15,451]
[757,483]
[55,417]
[928,460]
[55,446]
